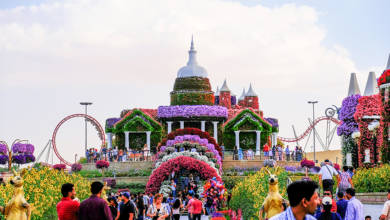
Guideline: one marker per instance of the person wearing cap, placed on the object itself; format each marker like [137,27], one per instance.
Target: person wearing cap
[327,214]
[126,209]
[326,176]
[95,208]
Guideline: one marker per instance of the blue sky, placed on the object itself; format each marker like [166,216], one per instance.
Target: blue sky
[125,54]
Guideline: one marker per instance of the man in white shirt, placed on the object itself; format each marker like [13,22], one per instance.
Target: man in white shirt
[326,176]
[385,215]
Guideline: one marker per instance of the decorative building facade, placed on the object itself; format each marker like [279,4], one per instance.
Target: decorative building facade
[193,104]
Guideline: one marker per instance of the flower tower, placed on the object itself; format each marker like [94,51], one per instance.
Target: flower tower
[225,99]
[251,99]
[384,86]
[367,115]
[348,125]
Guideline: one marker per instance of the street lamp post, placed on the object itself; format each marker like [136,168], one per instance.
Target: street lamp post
[86,106]
[314,131]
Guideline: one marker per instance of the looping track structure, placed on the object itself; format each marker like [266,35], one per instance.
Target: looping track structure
[308,130]
[90,119]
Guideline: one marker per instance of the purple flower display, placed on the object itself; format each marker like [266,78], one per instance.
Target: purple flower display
[111,182]
[189,111]
[111,121]
[348,109]
[29,158]
[3,149]
[19,159]
[3,159]
[290,168]
[273,121]
[23,148]
[76,167]
[29,149]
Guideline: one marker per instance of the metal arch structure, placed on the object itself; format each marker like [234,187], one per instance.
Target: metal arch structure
[90,119]
[310,128]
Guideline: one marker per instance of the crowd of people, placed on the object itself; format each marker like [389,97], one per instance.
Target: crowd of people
[117,155]
[277,153]
[304,200]
[126,206]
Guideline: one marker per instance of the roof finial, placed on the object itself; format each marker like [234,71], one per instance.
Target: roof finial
[242,97]
[192,43]
[217,91]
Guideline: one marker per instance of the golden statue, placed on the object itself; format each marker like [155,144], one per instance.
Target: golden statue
[274,202]
[17,208]
[104,192]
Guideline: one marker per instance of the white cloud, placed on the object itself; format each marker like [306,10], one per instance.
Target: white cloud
[126,43]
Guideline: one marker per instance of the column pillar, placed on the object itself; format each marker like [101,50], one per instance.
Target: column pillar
[169,123]
[258,133]
[181,124]
[148,140]
[109,139]
[237,139]
[127,143]
[215,124]
[274,138]
[203,125]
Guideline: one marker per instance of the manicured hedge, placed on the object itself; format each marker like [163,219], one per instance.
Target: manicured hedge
[192,83]
[192,98]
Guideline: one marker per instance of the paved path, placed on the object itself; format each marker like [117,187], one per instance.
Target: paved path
[368,209]
[373,210]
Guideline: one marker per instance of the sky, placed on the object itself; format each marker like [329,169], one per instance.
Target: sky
[123,54]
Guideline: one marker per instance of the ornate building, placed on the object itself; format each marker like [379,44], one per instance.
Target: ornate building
[195,105]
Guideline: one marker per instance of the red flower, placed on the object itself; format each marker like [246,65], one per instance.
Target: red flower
[162,172]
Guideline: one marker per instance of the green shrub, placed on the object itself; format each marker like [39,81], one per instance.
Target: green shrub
[372,179]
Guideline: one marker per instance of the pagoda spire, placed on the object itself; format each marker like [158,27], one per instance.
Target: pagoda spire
[217,92]
[192,54]
[250,91]
[388,63]
[353,85]
[371,85]
[224,87]
[242,97]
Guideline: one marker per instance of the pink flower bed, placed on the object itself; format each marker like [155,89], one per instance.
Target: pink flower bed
[161,173]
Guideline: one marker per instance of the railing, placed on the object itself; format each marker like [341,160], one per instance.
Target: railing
[122,156]
[145,155]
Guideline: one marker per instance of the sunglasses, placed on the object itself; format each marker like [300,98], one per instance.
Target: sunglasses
[326,194]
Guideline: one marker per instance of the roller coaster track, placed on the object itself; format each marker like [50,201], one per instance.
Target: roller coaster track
[310,128]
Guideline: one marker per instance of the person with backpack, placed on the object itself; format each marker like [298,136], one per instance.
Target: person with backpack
[176,209]
[327,214]
[344,180]
[326,176]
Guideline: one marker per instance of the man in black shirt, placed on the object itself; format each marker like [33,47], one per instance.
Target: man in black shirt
[126,208]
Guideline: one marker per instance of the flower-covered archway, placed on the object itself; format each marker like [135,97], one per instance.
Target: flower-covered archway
[176,164]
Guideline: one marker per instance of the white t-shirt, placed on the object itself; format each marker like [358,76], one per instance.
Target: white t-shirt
[386,210]
[327,174]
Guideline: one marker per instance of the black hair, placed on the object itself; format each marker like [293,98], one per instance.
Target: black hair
[66,188]
[301,189]
[164,200]
[388,191]
[196,196]
[367,216]
[350,191]
[345,168]
[340,194]
[176,205]
[96,187]
[326,161]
